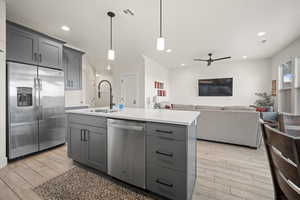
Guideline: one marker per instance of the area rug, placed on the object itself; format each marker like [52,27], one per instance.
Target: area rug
[81,184]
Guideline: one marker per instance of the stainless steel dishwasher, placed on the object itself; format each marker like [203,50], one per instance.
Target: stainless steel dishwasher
[126,151]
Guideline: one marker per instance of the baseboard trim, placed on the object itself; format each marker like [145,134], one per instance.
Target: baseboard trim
[3,162]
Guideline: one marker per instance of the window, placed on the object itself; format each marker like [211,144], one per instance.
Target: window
[286,75]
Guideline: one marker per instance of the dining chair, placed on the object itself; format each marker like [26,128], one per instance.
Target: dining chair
[283,153]
[289,123]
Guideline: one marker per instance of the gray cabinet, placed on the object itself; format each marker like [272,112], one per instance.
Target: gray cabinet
[75,142]
[22,45]
[50,53]
[95,147]
[72,61]
[30,47]
[171,160]
[87,144]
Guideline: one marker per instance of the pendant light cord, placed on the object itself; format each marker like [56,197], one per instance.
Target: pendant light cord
[111,29]
[160,33]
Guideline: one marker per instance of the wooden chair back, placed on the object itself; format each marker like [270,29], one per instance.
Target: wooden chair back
[283,153]
[289,122]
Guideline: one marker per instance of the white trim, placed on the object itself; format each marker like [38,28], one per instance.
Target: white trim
[3,162]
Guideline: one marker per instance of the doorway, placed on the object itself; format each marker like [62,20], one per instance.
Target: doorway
[129,90]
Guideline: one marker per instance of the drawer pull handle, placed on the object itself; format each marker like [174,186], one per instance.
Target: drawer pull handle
[161,131]
[164,154]
[163,183]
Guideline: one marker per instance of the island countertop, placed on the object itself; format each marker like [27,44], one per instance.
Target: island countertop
[142,114]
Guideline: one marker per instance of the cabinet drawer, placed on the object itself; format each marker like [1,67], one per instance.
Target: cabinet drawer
[176,132]
[166,182]
[167,153]
[87,120]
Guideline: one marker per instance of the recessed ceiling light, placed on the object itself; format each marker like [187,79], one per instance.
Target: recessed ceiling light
[169,50]
[182,64]
[260,34]
[65,28]
[245,57]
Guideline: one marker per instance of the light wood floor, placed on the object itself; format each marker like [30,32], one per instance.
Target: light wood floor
[225,172]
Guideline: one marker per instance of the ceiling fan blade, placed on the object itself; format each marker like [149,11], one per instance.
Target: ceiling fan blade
[221,58]
[200,60]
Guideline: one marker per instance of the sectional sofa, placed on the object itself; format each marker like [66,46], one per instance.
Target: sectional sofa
[229,124]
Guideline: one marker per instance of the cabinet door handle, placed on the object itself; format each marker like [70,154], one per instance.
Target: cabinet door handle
[40,56]
[35,57]
[161,131]
[163,183]
[81,135]
[86,135]
[164,154]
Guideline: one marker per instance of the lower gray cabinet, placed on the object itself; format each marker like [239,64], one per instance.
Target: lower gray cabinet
[96,148]
[171,160]
[75,142]
[88,145]
[166,182]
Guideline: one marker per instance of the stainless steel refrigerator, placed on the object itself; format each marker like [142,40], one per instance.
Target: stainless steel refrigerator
[36,102]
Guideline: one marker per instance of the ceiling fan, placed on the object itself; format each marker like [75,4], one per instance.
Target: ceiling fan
[210,60]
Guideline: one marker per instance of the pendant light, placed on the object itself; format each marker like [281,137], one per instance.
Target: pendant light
[111,52]
[160,45]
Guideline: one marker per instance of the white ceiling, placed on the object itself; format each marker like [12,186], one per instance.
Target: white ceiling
[192,28]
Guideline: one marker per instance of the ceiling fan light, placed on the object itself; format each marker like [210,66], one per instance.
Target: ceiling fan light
[111,54]
[160,46]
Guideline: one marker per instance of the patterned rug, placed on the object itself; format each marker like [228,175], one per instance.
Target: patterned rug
[81,184]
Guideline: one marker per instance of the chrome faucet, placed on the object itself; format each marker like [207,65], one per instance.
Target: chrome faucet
[111,104]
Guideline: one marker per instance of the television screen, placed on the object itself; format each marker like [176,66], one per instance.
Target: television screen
[215,87]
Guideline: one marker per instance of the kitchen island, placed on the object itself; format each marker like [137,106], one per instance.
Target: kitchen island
[155,150]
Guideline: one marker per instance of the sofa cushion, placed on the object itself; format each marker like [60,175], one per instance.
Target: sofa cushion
[183,107]
[200,107]
[246,108]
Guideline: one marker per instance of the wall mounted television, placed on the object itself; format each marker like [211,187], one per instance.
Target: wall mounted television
[215,87]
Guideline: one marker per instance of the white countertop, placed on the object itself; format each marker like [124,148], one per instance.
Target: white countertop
[149,115]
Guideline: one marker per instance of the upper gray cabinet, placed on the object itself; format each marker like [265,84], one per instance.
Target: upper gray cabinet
[50,53]
[72,61]
[22,46]
[27,46]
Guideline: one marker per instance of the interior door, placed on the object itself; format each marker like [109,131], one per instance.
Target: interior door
[22,105]
[51,108]
[129,90]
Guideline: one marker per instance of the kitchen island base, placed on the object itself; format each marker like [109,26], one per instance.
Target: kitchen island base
[170,152]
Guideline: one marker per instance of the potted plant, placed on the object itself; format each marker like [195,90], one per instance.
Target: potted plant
[265,103]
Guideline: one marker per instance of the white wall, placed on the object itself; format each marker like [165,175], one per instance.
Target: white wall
[155,72]
[132,65]
[86,96]
[249,77]
[3,159]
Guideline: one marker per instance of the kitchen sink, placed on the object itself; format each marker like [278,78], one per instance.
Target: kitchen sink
[103,110]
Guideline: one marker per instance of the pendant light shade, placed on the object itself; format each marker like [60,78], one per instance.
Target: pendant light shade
[160,43]
[160,46]
[111,52]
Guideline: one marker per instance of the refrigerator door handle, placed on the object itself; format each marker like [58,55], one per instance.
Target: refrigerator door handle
[40,84]
[41,112]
